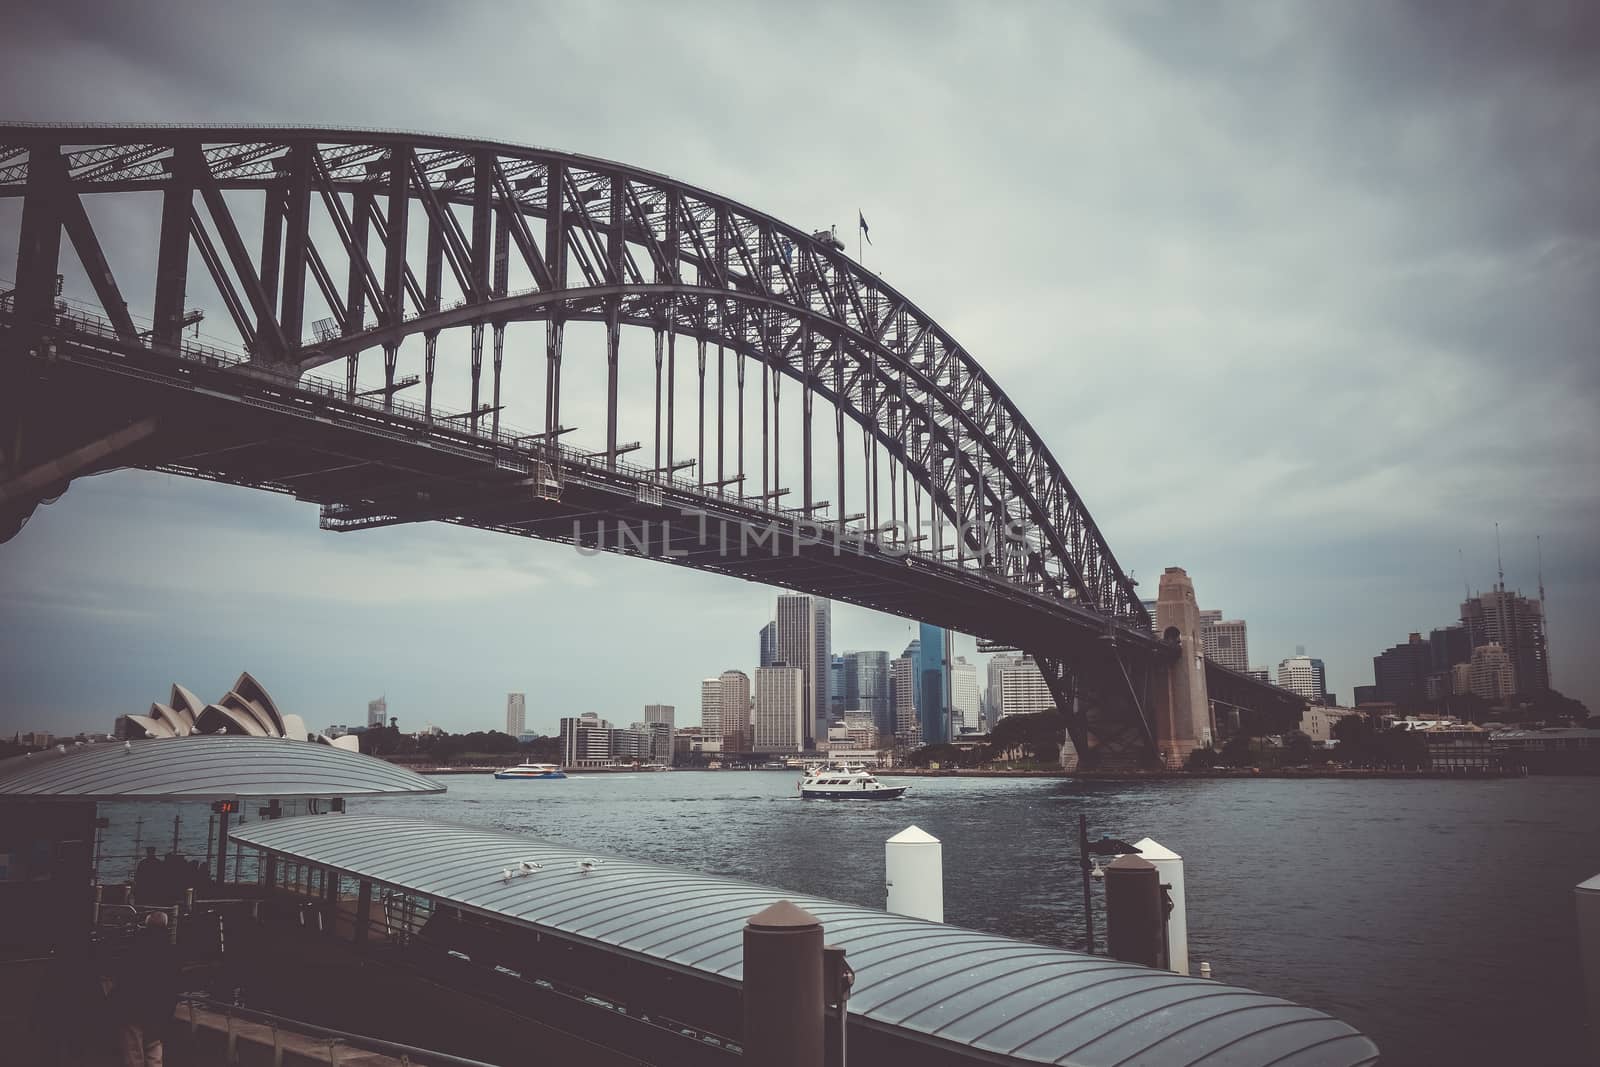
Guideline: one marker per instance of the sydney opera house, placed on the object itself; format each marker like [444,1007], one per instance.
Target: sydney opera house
[248,710]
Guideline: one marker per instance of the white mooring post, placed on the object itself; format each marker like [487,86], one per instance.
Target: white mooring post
[1169,865]
[913,873]
[1588,894]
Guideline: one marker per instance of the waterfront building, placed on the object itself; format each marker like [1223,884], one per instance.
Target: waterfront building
[1317,721]
[711,713]
[516,707]
[902,694]
[1516,624]
[1491,675]
[1567,750]
[1453,746]
[734,705]
[1401,672]
[1023,689]
[585,740]
[836,703]
[933,684]
[861,727]
[780,710]
[769,645]
[657,741]
[378,712]
[1304,676]
[1260,674]
[802,641]
[1366,694]
[965,708]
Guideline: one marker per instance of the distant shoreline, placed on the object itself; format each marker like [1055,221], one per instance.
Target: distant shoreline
[1095,776]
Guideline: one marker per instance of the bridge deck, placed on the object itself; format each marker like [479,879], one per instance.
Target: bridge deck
[956,993]
[369,464]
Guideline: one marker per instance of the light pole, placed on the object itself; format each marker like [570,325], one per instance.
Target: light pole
[1106,846]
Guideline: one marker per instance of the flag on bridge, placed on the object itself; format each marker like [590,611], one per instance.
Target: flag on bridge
[864,231]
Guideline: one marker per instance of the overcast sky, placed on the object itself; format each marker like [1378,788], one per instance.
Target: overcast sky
[1304,297]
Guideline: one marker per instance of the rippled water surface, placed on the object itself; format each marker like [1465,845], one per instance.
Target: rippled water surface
[1435,916]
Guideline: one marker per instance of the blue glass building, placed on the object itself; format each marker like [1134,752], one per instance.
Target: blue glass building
[933,658]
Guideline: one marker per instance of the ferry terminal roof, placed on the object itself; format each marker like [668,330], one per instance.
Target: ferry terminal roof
[1014,1000]
[204,767]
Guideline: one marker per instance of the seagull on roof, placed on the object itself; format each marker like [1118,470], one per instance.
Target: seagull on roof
[589,864]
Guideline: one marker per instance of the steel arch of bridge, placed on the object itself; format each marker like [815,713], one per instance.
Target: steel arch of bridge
[602,242]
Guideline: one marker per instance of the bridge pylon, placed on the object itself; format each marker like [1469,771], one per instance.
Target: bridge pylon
[1179,701]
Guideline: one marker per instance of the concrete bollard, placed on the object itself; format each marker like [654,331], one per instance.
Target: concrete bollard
[783,988]
[1134,912]
[913,874]
[1588,902]
[1169,865]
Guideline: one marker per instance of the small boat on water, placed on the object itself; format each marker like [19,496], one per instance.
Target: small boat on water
[825,784]
[531,772]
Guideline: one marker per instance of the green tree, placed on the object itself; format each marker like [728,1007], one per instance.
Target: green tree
[1296,748]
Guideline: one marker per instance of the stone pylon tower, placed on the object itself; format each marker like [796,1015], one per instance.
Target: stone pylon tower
[1181,707]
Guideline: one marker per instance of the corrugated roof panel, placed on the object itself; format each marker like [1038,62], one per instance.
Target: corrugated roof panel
[205,767]
[1032,1003]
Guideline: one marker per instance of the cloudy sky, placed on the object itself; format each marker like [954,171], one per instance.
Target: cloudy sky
[1305,298]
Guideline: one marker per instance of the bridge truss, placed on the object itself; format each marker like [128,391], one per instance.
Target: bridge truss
[362,244]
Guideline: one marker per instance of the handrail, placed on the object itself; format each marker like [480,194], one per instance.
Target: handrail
[371,1044]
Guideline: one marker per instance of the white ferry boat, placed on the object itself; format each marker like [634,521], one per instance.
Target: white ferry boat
[531,772]
[825,784]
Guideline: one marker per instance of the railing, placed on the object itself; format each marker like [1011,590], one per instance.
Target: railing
[334,1039]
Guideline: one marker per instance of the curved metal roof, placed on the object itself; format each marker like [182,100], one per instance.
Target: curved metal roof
[1012,999]
[204,767]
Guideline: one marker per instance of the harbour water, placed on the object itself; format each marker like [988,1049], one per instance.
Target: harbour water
[1435,916]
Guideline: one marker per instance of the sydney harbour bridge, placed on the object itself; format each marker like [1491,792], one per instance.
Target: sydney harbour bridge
[799,422]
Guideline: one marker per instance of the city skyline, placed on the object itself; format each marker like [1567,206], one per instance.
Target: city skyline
[1334,324]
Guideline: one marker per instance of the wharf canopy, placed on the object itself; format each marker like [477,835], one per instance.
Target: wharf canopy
[247,710]
[204,767]
[934,986]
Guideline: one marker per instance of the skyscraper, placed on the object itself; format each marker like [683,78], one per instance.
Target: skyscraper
[903,699]
[734,704]
[964,704]
[836,689]
[1401,673]
[866,679]
[1305,676]
[994,698]
[659,725]
[1516,624]
[516,704]
[711,714]
[933,684]
[1491,675]
[1225,641]
[780,709]
[378,712]
[1023,688]
[823,667]
[802,642]
[769,645]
